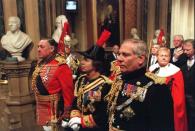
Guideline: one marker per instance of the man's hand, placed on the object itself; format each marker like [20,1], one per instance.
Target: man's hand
[177,53]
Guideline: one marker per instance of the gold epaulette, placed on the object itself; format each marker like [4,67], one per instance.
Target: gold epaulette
[107,80]
[155,78]
[61,60]
[115,68]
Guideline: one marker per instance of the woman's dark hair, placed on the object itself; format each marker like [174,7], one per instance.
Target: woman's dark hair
[53,43]
[99,66]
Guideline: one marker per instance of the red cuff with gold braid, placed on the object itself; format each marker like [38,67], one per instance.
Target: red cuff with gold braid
[88,121]
[75,113]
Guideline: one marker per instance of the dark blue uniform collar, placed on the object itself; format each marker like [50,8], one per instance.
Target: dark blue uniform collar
[133,75]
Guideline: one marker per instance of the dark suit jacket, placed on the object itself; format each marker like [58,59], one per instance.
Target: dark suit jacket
[110,57]
[189,80]
[149,61]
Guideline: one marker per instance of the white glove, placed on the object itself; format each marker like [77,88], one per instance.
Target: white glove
[74,77]
[64,123]
[74,120]
[75,127]
[47,128]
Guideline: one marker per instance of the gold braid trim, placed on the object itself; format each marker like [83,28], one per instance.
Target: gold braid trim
[85,88]
[77,89]
[155,78]
[61,60]
[88,121]
[77,84]
[107,80]
[34,76]
[115,89]
[112,97]
[74,64]
[75,113]
[115,68]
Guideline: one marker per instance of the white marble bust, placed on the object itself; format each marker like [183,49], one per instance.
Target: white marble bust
[134,33]
[60,20]
[15,41]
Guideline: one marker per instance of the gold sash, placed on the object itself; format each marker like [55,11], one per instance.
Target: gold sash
[83,89]
[89,87]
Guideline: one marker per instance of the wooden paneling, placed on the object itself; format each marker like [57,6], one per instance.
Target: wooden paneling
[151,20]
[21,14]
[10,9]
[121,21]
[163,16]
[144,20]
[2,26]
[53,15]
[157,14]
[81,25]
[130,16]
[42,18]
[32,24]
[169,21]
[59,7]
[48,17]
[94,20]
[90,29]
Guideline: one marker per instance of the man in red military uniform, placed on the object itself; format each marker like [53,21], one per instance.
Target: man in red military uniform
[51,80]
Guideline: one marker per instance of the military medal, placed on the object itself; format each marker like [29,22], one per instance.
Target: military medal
[128,90]
[45,78]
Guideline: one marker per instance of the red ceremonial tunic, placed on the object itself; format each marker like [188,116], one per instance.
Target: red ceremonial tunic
[57,80]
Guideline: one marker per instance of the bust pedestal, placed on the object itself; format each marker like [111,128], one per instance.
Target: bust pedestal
[18,56]
[20,99]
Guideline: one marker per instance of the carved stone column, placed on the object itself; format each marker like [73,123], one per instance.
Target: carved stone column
[20,101]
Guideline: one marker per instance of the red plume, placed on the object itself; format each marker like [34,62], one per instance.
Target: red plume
[66,31]
[160,37]
[105,35]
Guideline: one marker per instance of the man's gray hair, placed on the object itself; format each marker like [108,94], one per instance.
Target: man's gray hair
[180,36]
[139,48]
